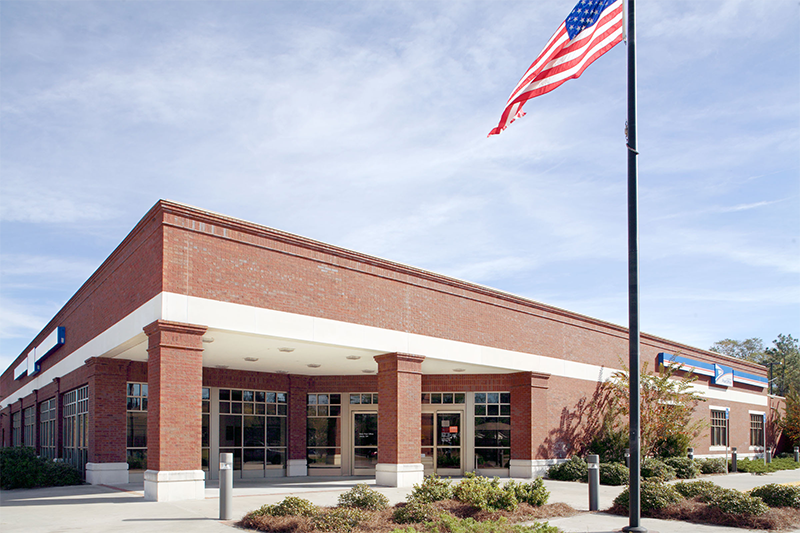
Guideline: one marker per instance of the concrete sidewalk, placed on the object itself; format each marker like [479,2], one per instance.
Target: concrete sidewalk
[103,509]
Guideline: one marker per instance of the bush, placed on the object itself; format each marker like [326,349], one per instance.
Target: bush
[712,466]
[778,495]
[574,469]
[484,494]
[754,467]
[290,506]
[734,502]
[449,524]
[684,467]
[416,511]
[533,493]
[338,519]
[655,495]
[432,489]
[20,468]
[657,470]
[675,445]
[614,474]
[696,488]
[363,497]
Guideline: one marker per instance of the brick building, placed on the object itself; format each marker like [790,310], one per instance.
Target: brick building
[203,334]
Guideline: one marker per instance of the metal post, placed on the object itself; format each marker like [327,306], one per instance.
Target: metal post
[690,453]
[594,482]
[225,486]
[627,457]
[734,458]
[797,454]
[635,509]
[768,455]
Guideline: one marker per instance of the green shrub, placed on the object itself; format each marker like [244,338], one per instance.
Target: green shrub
[574,469]
[416,511]
[675,445]
[778,495]
[432,489]
[363,497]
[738,503]
[533,493]
[21,469]
[684,467]
[712,466]
[696,488]
[655,469]
[654,495]
[450,524]
[754,467]
[290,506]
[338,519]
[614,474]
[485,494]
[610,445]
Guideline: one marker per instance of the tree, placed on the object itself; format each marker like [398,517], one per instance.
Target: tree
[748,349]
[785,359]
[790,423]
[667,404]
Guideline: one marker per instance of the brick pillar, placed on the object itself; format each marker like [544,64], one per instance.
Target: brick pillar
[528,423]
[399,420]
[296,463]
[174,421]
[107,464]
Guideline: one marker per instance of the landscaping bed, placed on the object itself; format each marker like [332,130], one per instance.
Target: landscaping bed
[474,505]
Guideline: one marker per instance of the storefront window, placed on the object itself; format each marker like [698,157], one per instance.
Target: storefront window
[324,429]
[492,429]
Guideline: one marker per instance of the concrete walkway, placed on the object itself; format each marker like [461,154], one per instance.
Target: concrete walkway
[104,509]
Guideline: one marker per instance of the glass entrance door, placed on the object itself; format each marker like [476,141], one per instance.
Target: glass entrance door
[441,443]
[365,443]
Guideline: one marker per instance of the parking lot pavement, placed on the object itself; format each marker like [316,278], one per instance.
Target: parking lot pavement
[101,509]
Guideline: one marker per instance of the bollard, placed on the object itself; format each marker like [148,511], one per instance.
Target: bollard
[690,453]
[225,486]
[628,457]
[734,455]
[797,454]
[769,455]
[594,482]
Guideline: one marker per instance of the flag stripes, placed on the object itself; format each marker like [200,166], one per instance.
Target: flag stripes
[563,59]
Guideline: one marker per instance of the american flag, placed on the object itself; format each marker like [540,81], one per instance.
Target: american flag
[593,28]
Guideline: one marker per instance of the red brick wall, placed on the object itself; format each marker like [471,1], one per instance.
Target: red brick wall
[399,408]
[174,379]
[107,408]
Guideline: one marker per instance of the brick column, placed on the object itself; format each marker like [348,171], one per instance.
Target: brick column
[296,462]
[175,385]
[528,423]
[107,463]
[399,420]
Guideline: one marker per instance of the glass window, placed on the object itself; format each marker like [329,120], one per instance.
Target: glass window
[492,429]
[76,427]
[252,426]
[719,428]
[756,429]
[323,429]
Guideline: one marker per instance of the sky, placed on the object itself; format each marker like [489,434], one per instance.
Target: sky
[364,124]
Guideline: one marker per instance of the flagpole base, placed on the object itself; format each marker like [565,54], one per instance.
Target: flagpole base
[636,529]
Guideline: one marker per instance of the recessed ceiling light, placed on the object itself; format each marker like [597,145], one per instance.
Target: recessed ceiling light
[368,371]
[353,357]
[285,349]
[208,340]
[222,366]
[459,370]
[251,359]
[281,372]
[313,365]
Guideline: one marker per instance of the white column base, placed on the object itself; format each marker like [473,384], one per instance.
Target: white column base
[530,468]
[174,485]
[391,475]
[296,468]
[107,473]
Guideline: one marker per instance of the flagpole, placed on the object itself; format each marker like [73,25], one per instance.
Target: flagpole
[634,512]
